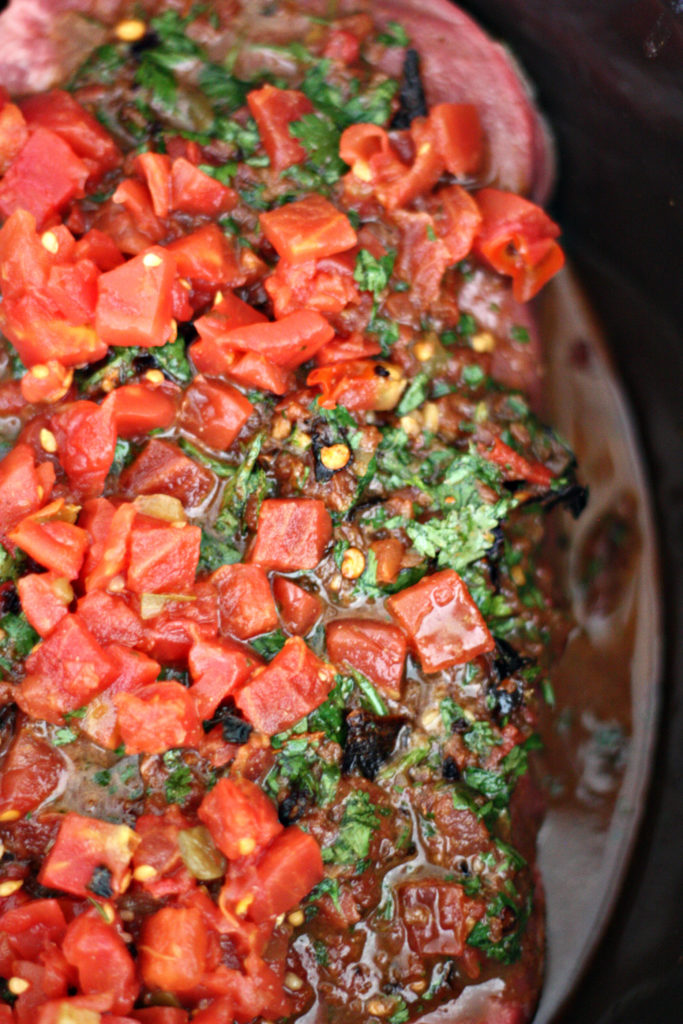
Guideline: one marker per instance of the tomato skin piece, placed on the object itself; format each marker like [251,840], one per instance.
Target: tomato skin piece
[457,134]
[86,440]
[240,817]
[457,219]
[45,599]
[134,304]
[342,350]
[285,874]
[437,915]
[214,412]
[360,385]
[515,466]
[59,112]
[162,468]
[292,534]
[388,552]
[44,177]
[207,256]
[274,110]
[442,622]
[158,717]
[129,218]
[82,845]
[56,545]
[31,771]
[102,960]
[306,229]
[299,610]
[155,168]
[377,649]
[21,490]
[109,529]
[518,238]
[294,683]
[64,672]
[138,408]
[173,950]
[163,556]
[245,603]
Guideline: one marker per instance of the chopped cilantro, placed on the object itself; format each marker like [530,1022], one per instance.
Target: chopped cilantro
[401,1014]
[330,716]
[414,395]
[102,778]
[17,638]
[328,887]
[466,325]
[215,551]
[508,949]
[481,738]
[520,334]
[386,331]
[64,736]
[172,360]
[269,644]
[179,781]
[372,274]
[393,35]
[319,136]
[473,375]
[358,823]
[226,93]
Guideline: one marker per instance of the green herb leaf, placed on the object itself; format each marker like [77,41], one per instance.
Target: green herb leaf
[269,644]
[372,274]
[64,736]
[319,136]
[358,823]
[414,395]
[393,35]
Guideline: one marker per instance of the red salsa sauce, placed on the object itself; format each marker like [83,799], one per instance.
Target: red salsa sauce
[275,621]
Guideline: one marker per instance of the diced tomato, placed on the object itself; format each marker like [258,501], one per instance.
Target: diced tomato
[46,382]
[155,168]
[82,849]
[86,439]
[194,191]
[442,622]
[45,599]
[286,873]
[422,257]
[72,290]
[457,220]
[110,619]
[515,466]
[157,718]
[375,648]
[308,229]
[139,408]
[161,1015]
[292,534]
[163,556]
[367,149]
[360,385]
[62,114]
[64,672]
[341,350]
[287,342]
[159,850]
[134,305]
[518,238]
[32,769]
[162,468]
[39,336]
[245,603]
[240,817]
[44,177]
[388,552]
[30,927]
[12,398]
[343,46]
[102,960]
[134,671]
[292,685]
[129,218]
[52,542]
[21,489]
[13,134]
[325,285]
[427,167]
[95,245]
[299,610]
[108,556]
[218,668]
[214,412]
[457,134]
[274,110]
[173,949]
[24,259]
[254,371]
[226,315]
[206,255]
[438,916]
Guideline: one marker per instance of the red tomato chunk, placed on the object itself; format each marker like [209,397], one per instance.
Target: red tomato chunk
[245,602]
[377,649]
[293,684]
[308,229]
[438,915]
[134,305]
[442,622]
[214,412]
[163,556]
[299,610]
[240,817]
[292,534]
[82,847]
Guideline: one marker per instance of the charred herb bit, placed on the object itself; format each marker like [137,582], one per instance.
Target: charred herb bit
[235,729]
[299,768]
[100,883]
[412,102]
[292,808]
[370,740]
[507,661]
